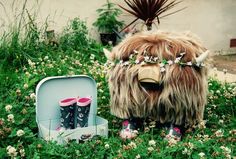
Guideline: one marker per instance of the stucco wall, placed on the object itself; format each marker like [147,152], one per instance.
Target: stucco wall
[212,20]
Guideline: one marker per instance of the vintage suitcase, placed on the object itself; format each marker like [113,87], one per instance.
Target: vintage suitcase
[50,91]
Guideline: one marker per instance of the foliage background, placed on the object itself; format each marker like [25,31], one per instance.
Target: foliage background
[27,57]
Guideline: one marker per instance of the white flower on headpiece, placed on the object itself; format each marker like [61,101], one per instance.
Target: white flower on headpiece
[155,59]
[121,61]
[146,58]
[162,64]
[189,63]
[131,56]
[170,62]
[137,61]
[135,51]
[162,69]
[126,63]
[143,63]
[198,64]
[182,54]
[177,59]
[112,64]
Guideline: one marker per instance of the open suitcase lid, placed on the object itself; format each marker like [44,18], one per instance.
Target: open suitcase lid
[51,90]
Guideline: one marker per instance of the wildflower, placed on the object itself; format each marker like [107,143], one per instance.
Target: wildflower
[10,118]
[50,65]
[201,124]
[27,74]
[228,156]
[25,86]
[206,137]
[186,151]
[219,133]
[100,90]
[46,58]
[201,154]
[137,156]
[150,149]
[132,145]
[92,56]
[18,92]
[11,151]
[190,145]
[8,108]
[218,92]
[152,143]
[172,142]
[32,64]
[1,121]
[32,95]
[226,149]
[233,132]
[22,152]
[77,62]
[221,121]
[107,146]
[20,133]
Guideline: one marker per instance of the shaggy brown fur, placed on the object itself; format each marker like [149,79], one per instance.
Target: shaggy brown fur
[181,97]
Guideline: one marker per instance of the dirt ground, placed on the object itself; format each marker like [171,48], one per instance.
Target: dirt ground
[225,62]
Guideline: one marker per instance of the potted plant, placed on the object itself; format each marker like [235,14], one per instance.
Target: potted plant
[107,22]
[150,11]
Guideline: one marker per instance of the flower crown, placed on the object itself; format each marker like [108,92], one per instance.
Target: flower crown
[146,59]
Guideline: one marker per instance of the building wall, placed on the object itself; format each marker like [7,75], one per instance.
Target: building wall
[212,20]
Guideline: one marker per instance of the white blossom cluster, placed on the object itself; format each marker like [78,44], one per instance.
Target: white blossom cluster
[146,59]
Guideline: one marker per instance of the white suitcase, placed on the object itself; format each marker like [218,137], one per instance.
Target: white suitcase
[50,91]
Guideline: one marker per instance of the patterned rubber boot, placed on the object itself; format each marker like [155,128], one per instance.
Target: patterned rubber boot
[67,108]
[82,113]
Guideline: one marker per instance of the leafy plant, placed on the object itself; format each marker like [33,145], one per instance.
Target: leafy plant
[149,10]
[75,35]
[107,20]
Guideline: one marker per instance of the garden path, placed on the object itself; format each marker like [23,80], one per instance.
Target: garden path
[221,62]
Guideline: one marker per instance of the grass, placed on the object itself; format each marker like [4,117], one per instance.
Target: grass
[27,60]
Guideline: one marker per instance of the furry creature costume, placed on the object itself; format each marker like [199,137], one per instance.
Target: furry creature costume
[159,75]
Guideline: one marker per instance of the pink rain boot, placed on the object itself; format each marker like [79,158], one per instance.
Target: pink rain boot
[67,108]
[82,114]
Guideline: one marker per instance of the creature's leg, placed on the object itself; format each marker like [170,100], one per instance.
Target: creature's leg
[130,127]
[175,132]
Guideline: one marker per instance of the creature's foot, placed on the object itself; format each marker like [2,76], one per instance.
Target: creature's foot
[130,128]
[174,133]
